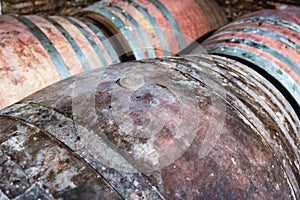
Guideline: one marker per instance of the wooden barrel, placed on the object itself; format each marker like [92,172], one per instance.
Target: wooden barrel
[157,27]
[269,39]
[47,49]
[65,141]
[38,51]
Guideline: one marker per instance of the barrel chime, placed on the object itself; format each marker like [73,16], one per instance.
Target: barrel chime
[218,125]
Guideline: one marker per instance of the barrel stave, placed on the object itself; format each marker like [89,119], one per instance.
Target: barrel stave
[268,39]
[254,157]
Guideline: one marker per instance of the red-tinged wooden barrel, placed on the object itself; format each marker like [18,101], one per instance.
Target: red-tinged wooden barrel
[157,27]
[38,51]
[224,132]
[269,39]
[47,49]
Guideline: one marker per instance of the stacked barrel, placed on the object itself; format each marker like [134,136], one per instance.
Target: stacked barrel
[226,132]
[37,51]
[269,41]
[223,125]
[156,28]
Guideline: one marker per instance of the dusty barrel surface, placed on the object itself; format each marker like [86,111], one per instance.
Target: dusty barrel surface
[193,127]
[157,27]
[269,39]
[38,51]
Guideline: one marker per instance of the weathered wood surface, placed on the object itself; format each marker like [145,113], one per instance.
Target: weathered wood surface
[226,133]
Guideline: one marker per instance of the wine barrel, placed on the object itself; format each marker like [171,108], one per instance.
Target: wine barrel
[38,51]
[224,132]
[269,39]
[156,28]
